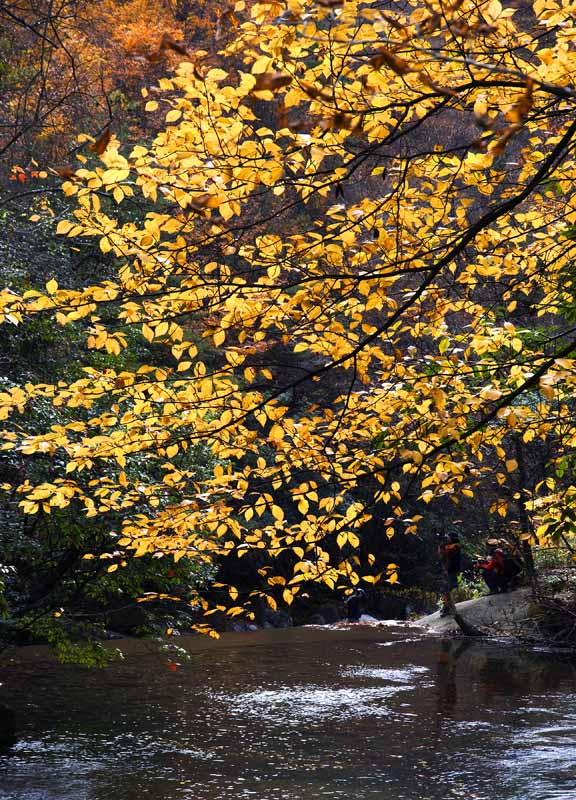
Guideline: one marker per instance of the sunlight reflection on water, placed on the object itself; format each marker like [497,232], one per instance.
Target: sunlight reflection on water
[291,705]
[403,675]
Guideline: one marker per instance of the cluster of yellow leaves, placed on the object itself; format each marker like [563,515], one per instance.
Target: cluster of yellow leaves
[361,206]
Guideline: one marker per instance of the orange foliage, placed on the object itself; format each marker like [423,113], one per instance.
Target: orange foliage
[83,70]
[127,34]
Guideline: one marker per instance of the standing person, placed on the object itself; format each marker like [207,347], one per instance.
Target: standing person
[354,603]
[450,555]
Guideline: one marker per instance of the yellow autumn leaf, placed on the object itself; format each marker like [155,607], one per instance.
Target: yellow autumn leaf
[288,596]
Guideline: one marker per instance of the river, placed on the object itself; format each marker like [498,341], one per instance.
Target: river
[300,714]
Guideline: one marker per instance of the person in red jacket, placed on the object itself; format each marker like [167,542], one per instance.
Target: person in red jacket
[492,570]
[500,569]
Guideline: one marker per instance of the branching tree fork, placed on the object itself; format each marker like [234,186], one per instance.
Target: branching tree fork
[352,245]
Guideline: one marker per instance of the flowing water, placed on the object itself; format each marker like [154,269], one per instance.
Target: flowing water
[364,712]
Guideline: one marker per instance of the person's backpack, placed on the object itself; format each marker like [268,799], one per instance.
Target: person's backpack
[512,565]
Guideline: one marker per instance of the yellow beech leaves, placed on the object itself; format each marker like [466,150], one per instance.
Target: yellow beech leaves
[351,250]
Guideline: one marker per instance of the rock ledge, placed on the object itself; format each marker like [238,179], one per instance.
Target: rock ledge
[499,613]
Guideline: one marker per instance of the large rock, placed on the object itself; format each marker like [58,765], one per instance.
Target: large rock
[273,619]
[326,614]
[506,613]
[389,607]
